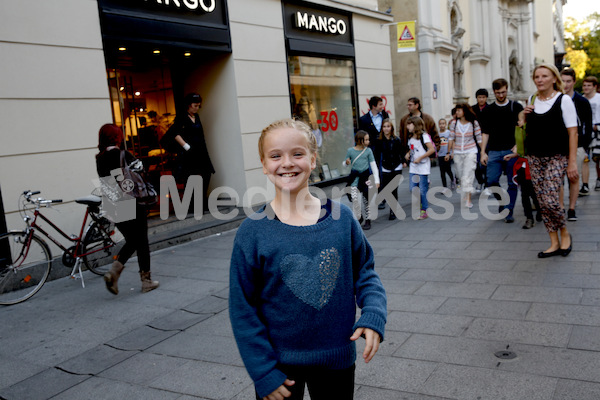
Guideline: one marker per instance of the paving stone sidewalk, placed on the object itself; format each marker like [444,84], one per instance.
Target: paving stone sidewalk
[459,291]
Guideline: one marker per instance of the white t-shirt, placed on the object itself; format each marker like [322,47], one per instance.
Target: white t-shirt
[595,104]
[569,112]
[416,150]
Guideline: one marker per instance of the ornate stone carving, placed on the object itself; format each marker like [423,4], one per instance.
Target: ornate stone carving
[516,79]
[458,61]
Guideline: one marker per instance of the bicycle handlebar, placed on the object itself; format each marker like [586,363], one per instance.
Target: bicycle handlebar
[28,193]
[42,201]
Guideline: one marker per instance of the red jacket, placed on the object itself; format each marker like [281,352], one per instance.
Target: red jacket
[521,163]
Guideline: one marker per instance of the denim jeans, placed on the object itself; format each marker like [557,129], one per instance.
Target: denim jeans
[495,167]
[422,182]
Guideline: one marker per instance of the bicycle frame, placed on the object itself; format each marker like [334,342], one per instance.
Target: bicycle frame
[33,226]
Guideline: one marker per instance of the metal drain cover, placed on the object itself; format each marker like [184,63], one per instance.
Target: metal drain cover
[505,354]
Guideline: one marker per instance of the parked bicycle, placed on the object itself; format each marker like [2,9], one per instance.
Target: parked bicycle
[26,260]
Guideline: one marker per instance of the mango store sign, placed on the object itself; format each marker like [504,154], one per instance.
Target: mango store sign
[319,23]
[206,5]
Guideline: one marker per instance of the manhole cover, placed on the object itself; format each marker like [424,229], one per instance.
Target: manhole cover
[505,355]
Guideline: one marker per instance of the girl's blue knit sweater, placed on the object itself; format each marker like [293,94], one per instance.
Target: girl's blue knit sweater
[294,291]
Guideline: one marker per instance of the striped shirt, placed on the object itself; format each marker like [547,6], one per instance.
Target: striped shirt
[463,137]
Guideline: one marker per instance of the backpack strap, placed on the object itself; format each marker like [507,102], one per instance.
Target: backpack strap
[425,147]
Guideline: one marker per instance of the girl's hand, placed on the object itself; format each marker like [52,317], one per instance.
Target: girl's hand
[348,161]
[447,157]
[372,342]
[407,156]
[377,185]
[418,160]
[281,392]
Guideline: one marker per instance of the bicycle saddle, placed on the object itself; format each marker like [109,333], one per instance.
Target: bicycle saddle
[90,200]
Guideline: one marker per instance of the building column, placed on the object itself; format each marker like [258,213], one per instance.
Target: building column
[497,25]
[479,46]
[429,35]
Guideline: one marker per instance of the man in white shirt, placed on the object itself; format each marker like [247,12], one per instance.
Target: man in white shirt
[590,89]
[371,122]
[584,127]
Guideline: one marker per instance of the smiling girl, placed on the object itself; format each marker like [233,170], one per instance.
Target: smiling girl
[298,270]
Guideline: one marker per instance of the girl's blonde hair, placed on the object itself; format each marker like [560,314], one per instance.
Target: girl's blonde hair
[558,85]
[393,133]
[419,125]
[292,124]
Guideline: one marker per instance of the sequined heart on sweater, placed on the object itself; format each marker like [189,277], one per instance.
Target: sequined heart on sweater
[312,280]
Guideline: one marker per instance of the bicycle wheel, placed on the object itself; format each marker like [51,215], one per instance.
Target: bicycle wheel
[99,242]
[24,266]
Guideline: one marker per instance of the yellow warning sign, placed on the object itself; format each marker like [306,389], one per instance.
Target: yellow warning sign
[406,36]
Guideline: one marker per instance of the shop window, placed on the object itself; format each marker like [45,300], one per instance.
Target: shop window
[323,95]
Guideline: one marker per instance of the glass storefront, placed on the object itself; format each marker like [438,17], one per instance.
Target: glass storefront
[151,49]
[323,94]
[143,106]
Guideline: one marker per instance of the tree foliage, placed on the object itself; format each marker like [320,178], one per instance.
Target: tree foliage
[579,61]
[583,45]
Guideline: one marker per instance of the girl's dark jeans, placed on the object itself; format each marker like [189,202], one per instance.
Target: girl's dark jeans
[445,168]
[322,383]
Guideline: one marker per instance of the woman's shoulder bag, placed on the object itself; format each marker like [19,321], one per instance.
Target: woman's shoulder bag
[133,182]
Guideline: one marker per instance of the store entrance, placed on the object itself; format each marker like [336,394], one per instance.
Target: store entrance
[147,88]
[143,106]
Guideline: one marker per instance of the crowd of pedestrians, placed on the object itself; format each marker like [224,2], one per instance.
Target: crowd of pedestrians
[476,150]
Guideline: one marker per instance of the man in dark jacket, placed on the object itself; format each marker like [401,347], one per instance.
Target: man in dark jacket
[482,96]
[371,123]
[480,173]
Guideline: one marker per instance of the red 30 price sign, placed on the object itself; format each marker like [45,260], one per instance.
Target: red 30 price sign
[328,121]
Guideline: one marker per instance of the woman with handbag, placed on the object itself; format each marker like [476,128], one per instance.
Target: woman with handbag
[551,146]
[134,230]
